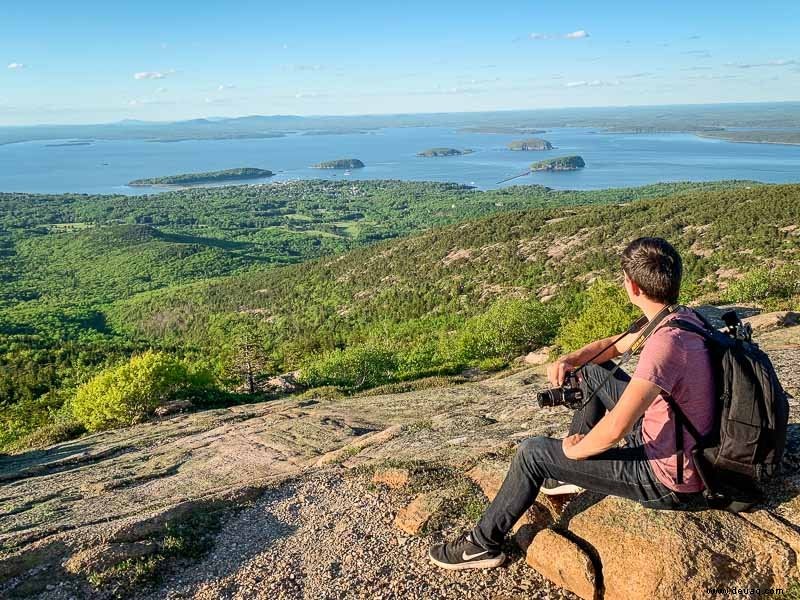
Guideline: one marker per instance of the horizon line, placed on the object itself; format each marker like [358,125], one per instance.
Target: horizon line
[398,114]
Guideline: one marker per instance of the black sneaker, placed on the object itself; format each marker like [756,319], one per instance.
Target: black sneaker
[552,487]
[463,553]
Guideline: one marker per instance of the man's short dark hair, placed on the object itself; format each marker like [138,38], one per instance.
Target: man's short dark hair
[655,266]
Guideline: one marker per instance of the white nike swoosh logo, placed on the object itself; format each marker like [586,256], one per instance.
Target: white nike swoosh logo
[465,556]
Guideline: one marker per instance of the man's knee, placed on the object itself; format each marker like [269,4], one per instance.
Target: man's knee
[594,372]
[534,449]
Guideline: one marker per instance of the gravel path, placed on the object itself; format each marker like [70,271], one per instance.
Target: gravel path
[330,535]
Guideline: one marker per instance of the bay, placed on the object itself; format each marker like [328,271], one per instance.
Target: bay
[612,160]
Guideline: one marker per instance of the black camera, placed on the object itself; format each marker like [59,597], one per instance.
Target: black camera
[570,394]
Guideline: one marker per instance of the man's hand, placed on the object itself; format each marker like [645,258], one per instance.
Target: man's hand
[556,371]
[568,445]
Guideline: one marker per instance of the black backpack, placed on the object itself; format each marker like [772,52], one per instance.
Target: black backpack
[746,444]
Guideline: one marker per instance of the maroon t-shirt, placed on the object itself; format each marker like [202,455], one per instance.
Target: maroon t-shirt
[677,361]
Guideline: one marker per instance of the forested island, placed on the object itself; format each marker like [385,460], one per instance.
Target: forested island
[208,177]
[561,163]
[530,144]
[444,152]
[341,163]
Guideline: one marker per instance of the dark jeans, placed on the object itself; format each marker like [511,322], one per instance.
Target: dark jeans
[624,471]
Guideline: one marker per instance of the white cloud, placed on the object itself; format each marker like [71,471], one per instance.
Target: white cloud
[161,90]
[592,83]
[572,35]
[225,86]
[151,75]
[698,53]
[576,35]
[15,66]
[771,63]
[307,67]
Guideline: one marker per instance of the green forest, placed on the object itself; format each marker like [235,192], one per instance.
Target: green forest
[111,304]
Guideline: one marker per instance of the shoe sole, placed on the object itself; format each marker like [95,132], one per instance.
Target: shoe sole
[489,563]
[567,488]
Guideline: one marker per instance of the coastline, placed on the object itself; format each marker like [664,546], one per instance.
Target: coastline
[722,139]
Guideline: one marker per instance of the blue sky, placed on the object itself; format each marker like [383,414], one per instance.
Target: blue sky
[90,61]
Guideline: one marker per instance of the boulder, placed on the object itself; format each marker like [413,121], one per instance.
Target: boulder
[282,384]
[173,407]
[392,478]
[537,357]
[563,562]
[646,553]
[773,320]
[413,518]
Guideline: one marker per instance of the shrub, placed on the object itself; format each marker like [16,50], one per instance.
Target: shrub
[603,310]
[507,329]
[763,285]
[356,367]
[47,435]
[128,393]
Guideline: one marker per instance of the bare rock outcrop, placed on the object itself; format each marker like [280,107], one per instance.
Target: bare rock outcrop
[616,548]
[413,518]
[563,562]
[392,477]
[648,554]
[773,320]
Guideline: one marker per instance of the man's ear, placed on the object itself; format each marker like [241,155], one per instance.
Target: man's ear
[635,289]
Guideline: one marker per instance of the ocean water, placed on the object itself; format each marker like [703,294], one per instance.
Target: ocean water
[612,160]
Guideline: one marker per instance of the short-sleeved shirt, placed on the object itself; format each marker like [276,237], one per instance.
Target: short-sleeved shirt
[678,362]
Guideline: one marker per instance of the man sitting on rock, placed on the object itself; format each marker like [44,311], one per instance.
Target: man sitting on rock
[673,362]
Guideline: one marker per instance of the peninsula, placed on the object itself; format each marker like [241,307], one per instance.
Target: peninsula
[444,152]
[341,163]
[500,130]
[754,136]
[561,163]
[208,177]
[530,144]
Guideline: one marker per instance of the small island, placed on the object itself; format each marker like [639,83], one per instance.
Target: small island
[200,178]
[342,163]
[530,144]
[561,163]
[68,144]
[444,152]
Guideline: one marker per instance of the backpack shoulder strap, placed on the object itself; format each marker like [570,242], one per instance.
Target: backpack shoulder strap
[689,326]
[681,421]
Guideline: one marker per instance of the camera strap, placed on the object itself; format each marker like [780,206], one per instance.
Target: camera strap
[637,345]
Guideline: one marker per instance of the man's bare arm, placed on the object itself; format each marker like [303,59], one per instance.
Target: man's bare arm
[616,424]
[571,361]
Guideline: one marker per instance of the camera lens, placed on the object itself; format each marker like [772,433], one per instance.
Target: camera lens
[552,397]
